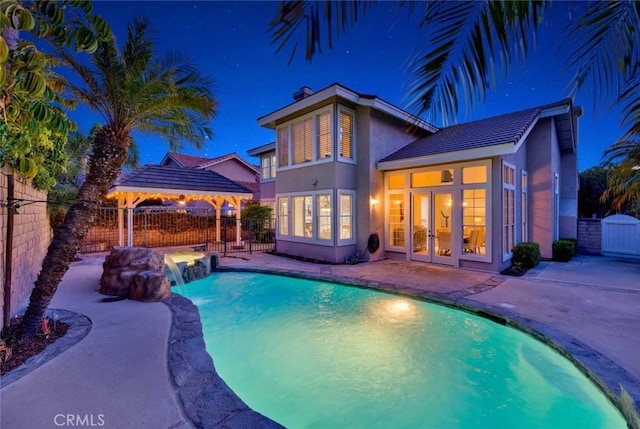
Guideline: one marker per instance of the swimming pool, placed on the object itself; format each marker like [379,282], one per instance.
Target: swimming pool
[313,354]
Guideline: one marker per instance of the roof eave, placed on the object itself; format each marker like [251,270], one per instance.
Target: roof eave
[446,157]
[152,190]
[337,90]
[257,151]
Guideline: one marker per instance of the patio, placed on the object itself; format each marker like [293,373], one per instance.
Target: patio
[122,368]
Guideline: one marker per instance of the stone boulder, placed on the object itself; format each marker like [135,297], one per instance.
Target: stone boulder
[135,272]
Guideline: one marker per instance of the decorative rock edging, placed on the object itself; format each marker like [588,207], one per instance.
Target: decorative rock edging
[608,376]
[206,399]
[79,326]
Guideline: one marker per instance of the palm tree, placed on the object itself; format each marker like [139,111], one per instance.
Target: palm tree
[464,40]
[132,91]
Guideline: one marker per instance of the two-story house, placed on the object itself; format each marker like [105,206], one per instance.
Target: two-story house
[351,165]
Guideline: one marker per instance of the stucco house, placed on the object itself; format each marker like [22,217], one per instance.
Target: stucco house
[351,165]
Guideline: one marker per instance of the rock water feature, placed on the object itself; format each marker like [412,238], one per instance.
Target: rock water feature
[147,275]
[135,273]
[185,267]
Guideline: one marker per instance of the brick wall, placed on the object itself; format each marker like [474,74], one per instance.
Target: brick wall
[589,236]
[31,237]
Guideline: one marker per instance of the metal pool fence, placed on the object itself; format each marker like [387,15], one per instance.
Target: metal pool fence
[168,227]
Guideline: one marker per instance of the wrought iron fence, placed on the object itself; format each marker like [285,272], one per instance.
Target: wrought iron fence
[169,227]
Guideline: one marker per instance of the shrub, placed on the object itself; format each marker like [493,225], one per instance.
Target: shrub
[563,250]
[526,254]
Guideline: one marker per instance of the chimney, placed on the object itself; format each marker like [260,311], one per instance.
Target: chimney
[303,92]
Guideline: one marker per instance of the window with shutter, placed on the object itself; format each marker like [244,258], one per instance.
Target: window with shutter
[283,146]
[346,135]
[323,137]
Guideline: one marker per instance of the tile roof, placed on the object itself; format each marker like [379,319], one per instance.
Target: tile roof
[163,177]
[193,161]
[507,128]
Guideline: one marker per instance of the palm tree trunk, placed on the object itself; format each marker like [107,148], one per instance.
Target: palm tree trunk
[109,153]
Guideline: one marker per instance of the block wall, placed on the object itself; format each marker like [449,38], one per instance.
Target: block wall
[31,237]
[589,236]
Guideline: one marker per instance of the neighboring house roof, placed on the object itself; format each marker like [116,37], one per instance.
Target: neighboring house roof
[338,90]
[176,180]
[253,187]
[192,161]
[485,137]
[257,151]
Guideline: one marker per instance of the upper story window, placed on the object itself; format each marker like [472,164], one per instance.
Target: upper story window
[323,135]
[301,143]
[268,167]
[317,137]
[283,147]
[345,134]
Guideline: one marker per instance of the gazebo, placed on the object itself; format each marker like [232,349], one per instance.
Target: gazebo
[180,184]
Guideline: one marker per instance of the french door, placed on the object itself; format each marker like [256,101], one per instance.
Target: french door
[431,239]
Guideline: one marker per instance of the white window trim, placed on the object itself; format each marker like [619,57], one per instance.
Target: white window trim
[354,212]
[314,196]
[524,211]
[272,158]
[456,190]
[556,206]
[288,215]
[387,222]
[354,139]
[314,133]
[508,255]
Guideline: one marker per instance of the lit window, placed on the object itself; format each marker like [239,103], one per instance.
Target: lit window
[323,135]
[525,208]
[346,216]
[302,216]
[508,208]
[432,178]
[301,142]
[283,146]
[324,216]
[283,216]
[346,135]
[268,167]
[396,181]
[396,220]
[474,221]
[474,174]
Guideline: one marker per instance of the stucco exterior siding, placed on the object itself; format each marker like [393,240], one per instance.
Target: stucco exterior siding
[314,251]
[268,190]
[540,169]
[569,180]
[303,179]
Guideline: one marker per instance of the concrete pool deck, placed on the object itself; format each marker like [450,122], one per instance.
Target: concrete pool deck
[120,371]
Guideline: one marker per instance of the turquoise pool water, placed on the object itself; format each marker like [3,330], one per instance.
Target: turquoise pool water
[312,354]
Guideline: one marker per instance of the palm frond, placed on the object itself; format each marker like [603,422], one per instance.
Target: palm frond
[604,43]
[462,41]
[312,20]
[138,48]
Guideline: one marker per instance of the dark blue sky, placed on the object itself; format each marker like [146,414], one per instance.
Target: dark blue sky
[229,41]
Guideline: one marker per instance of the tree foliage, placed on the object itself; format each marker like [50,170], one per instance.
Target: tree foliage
[593,183]
[132,90]
[34,125]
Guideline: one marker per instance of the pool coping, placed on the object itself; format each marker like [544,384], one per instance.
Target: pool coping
[209,402]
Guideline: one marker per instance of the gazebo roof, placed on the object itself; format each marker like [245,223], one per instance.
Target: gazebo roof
[162,181]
